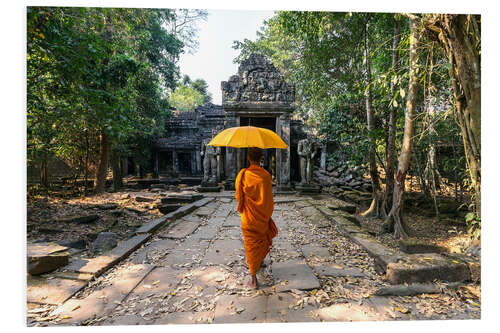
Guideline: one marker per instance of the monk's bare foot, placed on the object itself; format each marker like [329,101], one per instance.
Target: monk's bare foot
[252,283]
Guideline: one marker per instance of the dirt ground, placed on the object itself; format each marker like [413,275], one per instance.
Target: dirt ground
[47,216]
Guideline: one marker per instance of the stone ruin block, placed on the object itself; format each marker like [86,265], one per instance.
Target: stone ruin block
[46,257]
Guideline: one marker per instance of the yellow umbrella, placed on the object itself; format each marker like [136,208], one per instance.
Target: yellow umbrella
[248,136]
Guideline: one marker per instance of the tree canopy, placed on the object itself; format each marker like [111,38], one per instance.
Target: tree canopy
[352,77]
[99,77]
[190,94]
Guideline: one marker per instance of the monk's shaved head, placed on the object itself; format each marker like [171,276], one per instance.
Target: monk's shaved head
[254,154]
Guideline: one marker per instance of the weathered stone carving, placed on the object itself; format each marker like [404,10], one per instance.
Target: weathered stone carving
[306,150]
[209,154]
[257,81]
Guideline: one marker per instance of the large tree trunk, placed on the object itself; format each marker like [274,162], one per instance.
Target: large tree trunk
[431,172]
[375,208]
[391,138]
[461,37]
[44,174]
[395,219]
[102,169]
[117,171]
[86,171]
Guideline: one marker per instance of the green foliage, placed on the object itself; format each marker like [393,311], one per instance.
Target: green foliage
[186,98]
[96,70]
[473,225]
[342,125]
[202,87]
[322,54]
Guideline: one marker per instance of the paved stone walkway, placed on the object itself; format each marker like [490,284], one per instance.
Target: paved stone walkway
[194,272]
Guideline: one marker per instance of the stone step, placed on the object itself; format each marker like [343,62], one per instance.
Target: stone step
[401,267]
[174,200]
[203,202]
[425,267]
[98,265]
[181,198]
[46,257]
[168,208]
[474,264]
[152,225]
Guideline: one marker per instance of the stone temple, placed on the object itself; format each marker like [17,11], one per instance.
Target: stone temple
[257,95]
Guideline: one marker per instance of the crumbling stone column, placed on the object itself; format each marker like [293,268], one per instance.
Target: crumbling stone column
[220,164]
[230,154]
[198,161]
[283,155]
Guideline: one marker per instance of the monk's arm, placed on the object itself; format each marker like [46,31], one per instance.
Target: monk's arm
[238,195]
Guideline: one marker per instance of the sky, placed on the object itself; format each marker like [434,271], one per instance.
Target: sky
[213,61]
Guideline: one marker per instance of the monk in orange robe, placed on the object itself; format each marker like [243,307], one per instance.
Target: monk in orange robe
[254,194]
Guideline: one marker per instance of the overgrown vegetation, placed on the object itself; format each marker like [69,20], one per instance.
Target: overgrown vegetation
[98,81]
[378,86]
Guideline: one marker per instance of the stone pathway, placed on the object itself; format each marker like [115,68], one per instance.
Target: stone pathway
[194,270]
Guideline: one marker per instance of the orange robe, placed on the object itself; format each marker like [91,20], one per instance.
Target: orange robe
[254,193]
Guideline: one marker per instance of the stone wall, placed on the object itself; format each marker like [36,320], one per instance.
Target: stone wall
[182,140]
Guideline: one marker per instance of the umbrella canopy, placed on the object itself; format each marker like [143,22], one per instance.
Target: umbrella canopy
[248,136]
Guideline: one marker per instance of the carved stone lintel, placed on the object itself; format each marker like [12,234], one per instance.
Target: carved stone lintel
[257,81]
[283,161]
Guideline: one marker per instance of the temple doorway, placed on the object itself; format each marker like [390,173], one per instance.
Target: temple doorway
[165,162]
[269,154]
[184,160]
